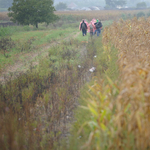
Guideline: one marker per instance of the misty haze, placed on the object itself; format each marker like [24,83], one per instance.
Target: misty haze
[75,75]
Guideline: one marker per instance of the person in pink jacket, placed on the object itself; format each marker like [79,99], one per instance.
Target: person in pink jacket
[91,28]
[94,21]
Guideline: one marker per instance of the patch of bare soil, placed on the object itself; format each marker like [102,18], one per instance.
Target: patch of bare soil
[18,66]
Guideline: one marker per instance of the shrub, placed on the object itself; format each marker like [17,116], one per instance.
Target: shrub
[26,28]
[140,14]
[129,16]
[148,14]
[5,45]
[124,16]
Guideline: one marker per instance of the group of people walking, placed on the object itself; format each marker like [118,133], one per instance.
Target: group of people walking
[93,27]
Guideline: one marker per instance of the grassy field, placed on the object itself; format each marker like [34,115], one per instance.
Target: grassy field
[57,70]
[3,9]
[53,101]
[79,15]
[29,40]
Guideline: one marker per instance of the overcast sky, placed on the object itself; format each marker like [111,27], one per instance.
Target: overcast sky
[80,3]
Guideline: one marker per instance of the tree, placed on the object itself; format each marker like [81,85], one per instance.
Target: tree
[141,5]
[61,6]
[115,3]
[32,12]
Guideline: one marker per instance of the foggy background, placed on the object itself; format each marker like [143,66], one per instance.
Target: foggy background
[88,3]
[4,4]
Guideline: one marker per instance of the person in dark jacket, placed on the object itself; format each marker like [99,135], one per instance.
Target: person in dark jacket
[98,26]
[83,27]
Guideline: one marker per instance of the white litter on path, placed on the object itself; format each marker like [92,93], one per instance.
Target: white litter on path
[95,56]
[79,66]
[92,69]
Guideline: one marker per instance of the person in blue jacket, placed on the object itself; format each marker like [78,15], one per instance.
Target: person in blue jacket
[98,26]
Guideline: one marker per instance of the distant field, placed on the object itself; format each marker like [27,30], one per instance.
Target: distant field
[4,16]
[62,90]
[101,14]
[78,15]
[3,9]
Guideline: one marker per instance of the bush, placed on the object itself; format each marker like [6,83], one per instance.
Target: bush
[5,31]
[26,28]
[129,16]
[140,14]
[5,45]
[148,14]
[124,16]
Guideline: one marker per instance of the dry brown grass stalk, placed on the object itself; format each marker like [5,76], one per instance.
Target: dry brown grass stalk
[4,16]
[102,14]
[131,38]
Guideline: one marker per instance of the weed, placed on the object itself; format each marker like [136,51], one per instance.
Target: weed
[5,45]
[25,46]
[140,14]
[34,106]
[118,105]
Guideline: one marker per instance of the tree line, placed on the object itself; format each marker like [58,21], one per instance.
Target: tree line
[26,12]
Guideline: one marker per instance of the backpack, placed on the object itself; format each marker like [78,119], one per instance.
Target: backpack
[98,25]
[91,28]
[83,26]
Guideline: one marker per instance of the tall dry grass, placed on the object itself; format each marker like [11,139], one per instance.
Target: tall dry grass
[36,106]
[121,109]
[4,16]
[102,14]
[131,38]
[78,15]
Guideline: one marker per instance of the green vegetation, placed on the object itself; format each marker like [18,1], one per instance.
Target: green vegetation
[35,103]
[47,89]
[85,123]
[109,108]
[148,14]
[42,11]
[29,41]
[140,14]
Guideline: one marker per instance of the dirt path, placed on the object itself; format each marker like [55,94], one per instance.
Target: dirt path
[20,66]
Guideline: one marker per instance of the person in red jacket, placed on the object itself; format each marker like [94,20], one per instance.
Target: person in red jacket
[91,28]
